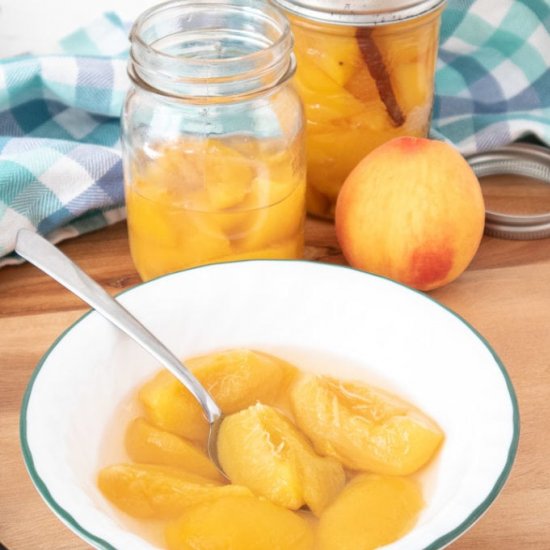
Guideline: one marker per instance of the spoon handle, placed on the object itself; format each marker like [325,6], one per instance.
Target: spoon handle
[52,261]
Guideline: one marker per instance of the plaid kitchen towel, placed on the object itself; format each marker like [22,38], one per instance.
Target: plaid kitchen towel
[493,73]
[60,168]
[60,164]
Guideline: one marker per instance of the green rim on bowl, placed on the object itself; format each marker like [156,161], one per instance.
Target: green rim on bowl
[439,543]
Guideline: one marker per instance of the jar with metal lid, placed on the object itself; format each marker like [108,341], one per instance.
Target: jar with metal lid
[366,75]
[213,136]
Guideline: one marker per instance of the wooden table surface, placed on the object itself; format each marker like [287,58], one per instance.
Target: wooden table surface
[505,294]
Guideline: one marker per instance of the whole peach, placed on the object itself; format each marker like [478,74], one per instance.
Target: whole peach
[411,210]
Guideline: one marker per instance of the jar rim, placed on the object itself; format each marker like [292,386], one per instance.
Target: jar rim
[359,12]
[135,35]
[211,48]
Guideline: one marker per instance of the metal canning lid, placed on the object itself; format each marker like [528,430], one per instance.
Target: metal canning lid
[527,161]
[359,12]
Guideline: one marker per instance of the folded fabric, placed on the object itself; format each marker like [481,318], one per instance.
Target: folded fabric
[60,163]
[493,73]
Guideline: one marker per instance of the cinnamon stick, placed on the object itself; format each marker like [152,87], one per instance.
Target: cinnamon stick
[379,72]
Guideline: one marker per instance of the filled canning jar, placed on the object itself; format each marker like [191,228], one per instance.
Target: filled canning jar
[366,75]
[213,136]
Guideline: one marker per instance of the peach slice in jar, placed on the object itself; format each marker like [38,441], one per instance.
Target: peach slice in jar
[364,427]
[236,379]
[325,101]
[239,523]
[337,54]
[280,219]
[332,159]
[193,174]
[187,205]
[322,89]
[410,55]
[262,449]
[223,164]
[165,238]
[370,512]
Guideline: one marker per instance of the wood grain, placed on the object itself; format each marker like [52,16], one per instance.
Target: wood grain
[505,294]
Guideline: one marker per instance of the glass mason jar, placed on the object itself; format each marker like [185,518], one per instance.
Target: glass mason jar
[366,75]
[213,136]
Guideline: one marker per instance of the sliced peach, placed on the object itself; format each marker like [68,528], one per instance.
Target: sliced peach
[173,174]
[364,427]
[274,208]
[164,238]
[147,444]
[408,54]
[223,164]
[239,378]
[337,54]
[158,492]
[363,86]
[286,106]
[370,512]
[334,106]
[324,99]
[333,159]
[235,379]
[261,449]
[169,406]
[413,85]
[193,174]
[144,219]
[239,523]
[281,220]
[153,260]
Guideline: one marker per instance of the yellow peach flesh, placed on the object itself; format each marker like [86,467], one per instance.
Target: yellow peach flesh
[261,449]
[158,492]
[200,201]
[236,379]
[370,512]
[337,86]
[147,444]
[363,427]
[239,523]
[275,469]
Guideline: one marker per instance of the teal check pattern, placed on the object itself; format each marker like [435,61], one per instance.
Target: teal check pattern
[493,74]
[60,163]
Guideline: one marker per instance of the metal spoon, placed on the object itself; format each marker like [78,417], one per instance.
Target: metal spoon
[53,262]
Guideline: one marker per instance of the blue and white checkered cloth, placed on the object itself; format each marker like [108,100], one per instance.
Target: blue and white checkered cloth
[60,162]
[60,166]
[493,73]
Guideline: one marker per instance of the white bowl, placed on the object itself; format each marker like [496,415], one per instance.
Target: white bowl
[319,316]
